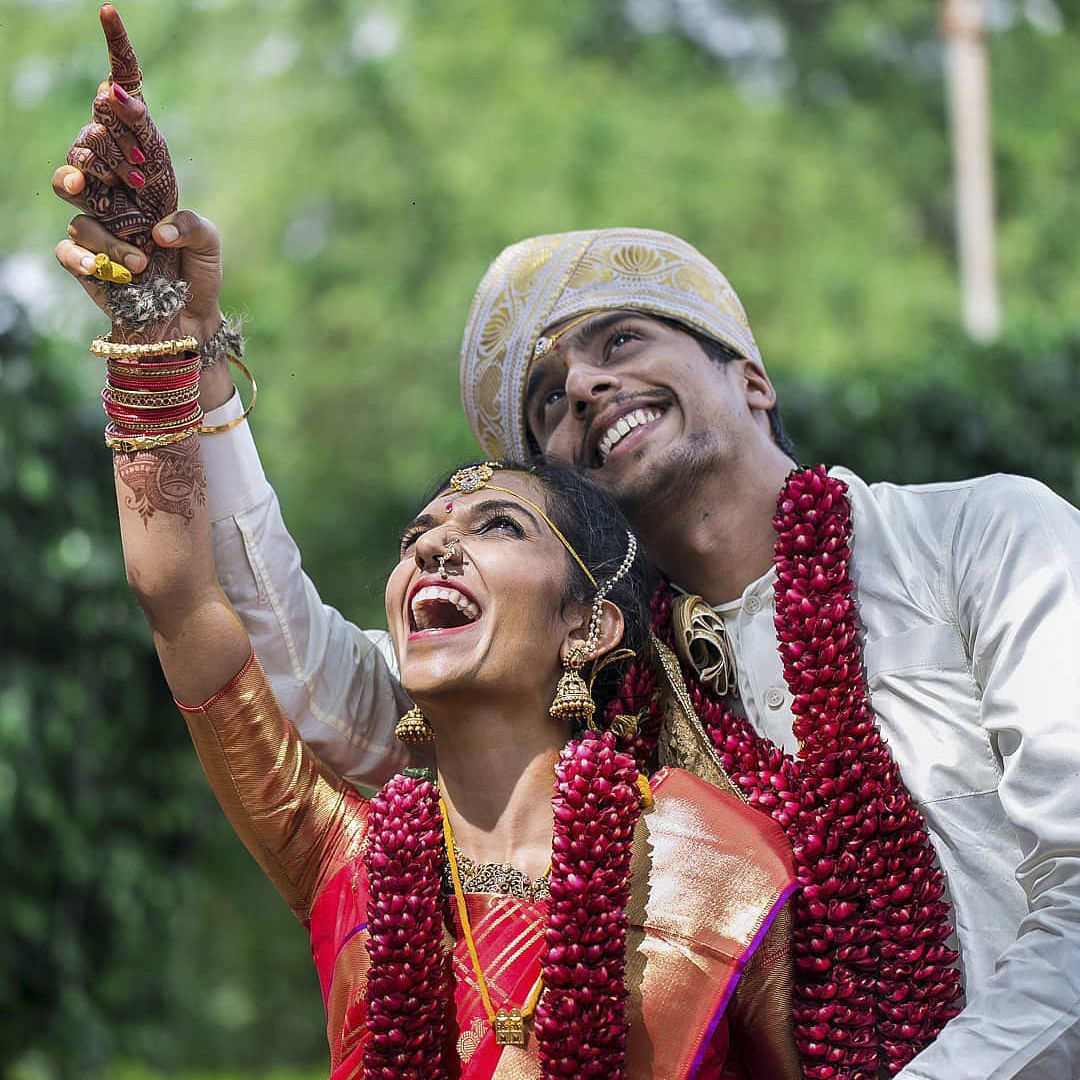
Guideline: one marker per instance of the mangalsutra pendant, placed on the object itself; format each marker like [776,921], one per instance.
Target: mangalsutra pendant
[509,1028]
[507,1024]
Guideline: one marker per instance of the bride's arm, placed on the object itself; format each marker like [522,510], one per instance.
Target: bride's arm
[297,818]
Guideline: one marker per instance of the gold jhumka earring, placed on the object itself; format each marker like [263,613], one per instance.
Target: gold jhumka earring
[572,698]
[413,727]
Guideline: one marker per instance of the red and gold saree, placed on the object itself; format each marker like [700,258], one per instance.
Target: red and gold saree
[709,878]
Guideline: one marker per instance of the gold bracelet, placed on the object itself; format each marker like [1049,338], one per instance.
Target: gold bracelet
[152,399]
[148,427]
[131,444]
[145,371]
[217,429]
[113,350]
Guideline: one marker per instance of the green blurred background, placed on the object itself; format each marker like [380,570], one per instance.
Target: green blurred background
[365,161]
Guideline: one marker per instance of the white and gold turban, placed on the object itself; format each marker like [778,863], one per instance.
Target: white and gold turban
[547,279]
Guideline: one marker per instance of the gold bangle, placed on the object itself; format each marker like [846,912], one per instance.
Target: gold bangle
[217,429]
[132,444]
[135,370]
[114,350]
[152,399]
[151,426]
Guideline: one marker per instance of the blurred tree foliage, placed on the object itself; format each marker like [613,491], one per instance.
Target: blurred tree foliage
[365,160]
[96,788]
[911,426]
[109,945]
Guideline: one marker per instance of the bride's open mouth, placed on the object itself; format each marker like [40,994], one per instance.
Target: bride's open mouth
[441,607]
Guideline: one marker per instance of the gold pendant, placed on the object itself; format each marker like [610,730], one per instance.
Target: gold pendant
[509,1028]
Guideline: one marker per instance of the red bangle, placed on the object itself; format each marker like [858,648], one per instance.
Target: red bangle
[171,383]
[187,424]
[188,363]
[151,416]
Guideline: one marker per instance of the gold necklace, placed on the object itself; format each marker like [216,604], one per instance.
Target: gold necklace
[500,879]
[508,1023]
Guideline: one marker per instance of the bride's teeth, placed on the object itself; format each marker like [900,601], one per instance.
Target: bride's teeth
[430,593]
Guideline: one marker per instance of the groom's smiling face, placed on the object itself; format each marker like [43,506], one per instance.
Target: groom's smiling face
[637,402]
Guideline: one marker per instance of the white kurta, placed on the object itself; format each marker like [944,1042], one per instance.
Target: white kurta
[969,595]
[336,682]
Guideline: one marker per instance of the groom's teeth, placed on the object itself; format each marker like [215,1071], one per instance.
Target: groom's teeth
[623,426]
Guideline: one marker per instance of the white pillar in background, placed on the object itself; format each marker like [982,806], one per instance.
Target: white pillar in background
[969,116]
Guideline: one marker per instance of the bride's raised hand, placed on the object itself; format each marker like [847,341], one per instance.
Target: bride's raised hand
[118,169]
[120,175]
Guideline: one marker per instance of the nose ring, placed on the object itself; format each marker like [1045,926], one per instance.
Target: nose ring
[445,557]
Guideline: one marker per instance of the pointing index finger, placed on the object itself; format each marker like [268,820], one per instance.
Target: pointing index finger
[123,62]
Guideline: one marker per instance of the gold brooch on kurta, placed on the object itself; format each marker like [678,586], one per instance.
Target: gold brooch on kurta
[701,641]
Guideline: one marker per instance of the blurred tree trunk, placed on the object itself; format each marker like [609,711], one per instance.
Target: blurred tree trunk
[969,115]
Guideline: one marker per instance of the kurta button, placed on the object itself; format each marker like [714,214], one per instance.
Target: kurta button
[751,605]
[774,697]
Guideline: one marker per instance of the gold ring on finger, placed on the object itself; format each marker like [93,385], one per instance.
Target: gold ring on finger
[107,270]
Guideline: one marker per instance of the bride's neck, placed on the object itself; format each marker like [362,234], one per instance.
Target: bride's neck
[496,777]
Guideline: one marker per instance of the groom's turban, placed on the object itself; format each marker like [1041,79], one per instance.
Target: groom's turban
[546,280]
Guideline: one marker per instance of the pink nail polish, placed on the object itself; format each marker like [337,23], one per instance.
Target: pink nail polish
[121,93]
[137,155]
[136,179]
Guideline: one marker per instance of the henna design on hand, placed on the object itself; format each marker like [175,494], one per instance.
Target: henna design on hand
[97,153]
[170,479]
[158,197]
[128,212]
[123,62]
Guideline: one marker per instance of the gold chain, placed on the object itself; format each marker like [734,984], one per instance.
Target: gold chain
[507,1023]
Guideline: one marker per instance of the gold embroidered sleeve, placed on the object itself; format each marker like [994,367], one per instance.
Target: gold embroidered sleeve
[299,820]
[683,742]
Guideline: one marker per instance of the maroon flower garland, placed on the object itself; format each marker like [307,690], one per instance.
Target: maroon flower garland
[873,978]
[409,989]
[581,1018]
[639,695]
